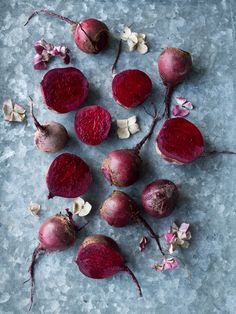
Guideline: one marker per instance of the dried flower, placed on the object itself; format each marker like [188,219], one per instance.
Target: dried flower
[178,236]
[182,108]
[167,263]
[34,208]
[127,127]
[134,40]
[81,208]
[142,243]
[13,112]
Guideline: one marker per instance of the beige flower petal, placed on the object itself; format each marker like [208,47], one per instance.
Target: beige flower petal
[134,128]
[131,45]
[132,120]
[142,48]
[17,117]
[123,133]
[122,123]
[141,37]
[134,37]
[77,205]
[19,109]
[85,210]
[7,109]
[34,208]
[126,33]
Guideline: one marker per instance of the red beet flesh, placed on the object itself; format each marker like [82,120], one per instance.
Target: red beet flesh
[92,124]
[68,176]
[131,88]
[179,141]
[99,257]
[64,89]
[159,198]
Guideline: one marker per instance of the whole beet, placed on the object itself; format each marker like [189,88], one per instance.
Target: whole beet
[159,198]
[173,65]
[90,35]
[99,257]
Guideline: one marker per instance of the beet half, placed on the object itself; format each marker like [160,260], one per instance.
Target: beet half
[131,88]
[122,167]
[120,210]
[92,124]
[64,89]
[179,141]
[99,257]
[68,176]
[159,198]
[90,35]
[57,233]
[173,65]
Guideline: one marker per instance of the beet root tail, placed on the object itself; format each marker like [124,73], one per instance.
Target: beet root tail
[169,91]
[135,280]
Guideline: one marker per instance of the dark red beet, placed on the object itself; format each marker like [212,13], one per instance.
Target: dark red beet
[64,89]
[173,65]
[92,124]
[68,176]
[99,257]
[159,198]
[57,233]
[122,167]
[131,88]
[90,35]
[179,141]
[120,210]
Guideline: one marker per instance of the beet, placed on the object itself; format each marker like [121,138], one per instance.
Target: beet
[131,88]
[92,124]
[90,35]
[179,141]
[120,210]
[173,65]
[50,137]
[159,198]
[57,233]
[68,176]
[122,167]
[99,257]
[64,89]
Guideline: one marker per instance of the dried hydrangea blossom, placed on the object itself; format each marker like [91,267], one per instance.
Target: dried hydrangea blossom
[44,52]
[13,112]
[142,243]
[135,41]
[34,208]
[125,127]
[178,236]
[183,107]
[81,208]
[167,263]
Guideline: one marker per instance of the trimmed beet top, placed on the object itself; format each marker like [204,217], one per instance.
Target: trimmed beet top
[179,141]
[131,88]
[64,89]
[92,124]
[68,176]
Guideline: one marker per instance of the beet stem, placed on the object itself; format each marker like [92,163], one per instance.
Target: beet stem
[70,217]
[135,280]
[216,152]
[153,234]
[37,250]
[169,91]
[113,69]
[36,123]
[146,137]
[50,13]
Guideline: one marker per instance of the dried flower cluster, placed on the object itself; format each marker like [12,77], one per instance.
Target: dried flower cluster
[126,127]
[134,40]
[81,208]
[13,112]
[182,108]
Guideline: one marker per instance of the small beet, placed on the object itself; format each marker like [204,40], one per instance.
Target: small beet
[64,89]
[90,35]
[120,210]
[179,141]
[57,233]
[99,257]
[50,137]
[159,198]
[92,124]
[131,88]
[173,65]
[122,167]
[68,176]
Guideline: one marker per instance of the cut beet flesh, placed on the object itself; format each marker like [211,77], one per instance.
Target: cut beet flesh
[68,176]
[64,89]
[179,141]
[131,88]
[92,124]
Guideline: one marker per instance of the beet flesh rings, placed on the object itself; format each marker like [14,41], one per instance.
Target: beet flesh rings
[64,89]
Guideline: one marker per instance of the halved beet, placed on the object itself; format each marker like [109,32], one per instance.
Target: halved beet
[179,141]
[68,176]
[131,88]
[92,124]
[64,89]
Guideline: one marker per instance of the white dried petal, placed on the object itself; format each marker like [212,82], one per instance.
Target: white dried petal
[85,210]
[142,48]
[141,37]
[122,123]
[126,33]
[17,117]
[19,109]
[188,105]
[131,45]
[123,133]
[45,55]
[180,100]
[77,205]
[132,120]
[134,37]
[185,244]
[34,208]
[134,128]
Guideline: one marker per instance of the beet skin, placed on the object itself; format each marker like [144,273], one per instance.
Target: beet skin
[64,89]
[68,176]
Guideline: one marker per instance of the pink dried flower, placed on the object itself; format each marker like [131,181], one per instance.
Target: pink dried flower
[188,105]
[179,111]
[178,236]
[142,243]
[169,236]
[180,100]
[167,263]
